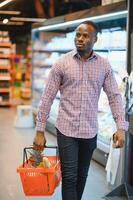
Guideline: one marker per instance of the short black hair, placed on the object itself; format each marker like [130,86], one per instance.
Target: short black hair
[94,25]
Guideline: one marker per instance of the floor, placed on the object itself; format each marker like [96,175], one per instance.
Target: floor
[12,142]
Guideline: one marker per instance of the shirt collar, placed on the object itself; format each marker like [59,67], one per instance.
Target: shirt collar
[76,54]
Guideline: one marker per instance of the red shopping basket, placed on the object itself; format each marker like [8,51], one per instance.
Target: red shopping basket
[39,181]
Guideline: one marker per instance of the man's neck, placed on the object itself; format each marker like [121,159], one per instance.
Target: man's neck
[85,55]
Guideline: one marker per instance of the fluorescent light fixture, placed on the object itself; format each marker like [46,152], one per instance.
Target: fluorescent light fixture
[8,12]
[4,3]
[25,19]
[100,18]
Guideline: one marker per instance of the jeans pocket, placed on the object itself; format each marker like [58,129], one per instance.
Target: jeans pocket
[93,143]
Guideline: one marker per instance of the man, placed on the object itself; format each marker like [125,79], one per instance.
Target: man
[79,75]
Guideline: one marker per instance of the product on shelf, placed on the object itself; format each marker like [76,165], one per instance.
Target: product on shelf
[22,79]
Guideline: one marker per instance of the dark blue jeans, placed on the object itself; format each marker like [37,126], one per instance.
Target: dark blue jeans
[75,156]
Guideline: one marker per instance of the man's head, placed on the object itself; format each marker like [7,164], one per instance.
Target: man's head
[86,36]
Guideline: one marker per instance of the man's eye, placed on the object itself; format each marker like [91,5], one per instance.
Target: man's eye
[77,35]
[86,36]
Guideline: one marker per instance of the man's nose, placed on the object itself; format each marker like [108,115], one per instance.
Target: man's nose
[80,38]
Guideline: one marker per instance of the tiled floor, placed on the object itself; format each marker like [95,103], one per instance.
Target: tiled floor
[12,142]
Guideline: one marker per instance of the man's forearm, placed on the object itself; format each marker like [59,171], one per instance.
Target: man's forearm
[41,121]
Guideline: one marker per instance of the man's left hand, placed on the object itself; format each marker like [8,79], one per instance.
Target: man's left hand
[118,139]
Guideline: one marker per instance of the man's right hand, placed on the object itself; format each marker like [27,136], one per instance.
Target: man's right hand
[39,141]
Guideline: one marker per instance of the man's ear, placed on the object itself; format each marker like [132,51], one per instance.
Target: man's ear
[95,39]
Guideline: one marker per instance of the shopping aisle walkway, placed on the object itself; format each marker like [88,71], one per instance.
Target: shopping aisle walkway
[12,142]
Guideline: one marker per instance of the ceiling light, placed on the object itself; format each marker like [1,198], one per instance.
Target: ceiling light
[25,19]
[8,12]
[4,3]
[75,22]
[5,21]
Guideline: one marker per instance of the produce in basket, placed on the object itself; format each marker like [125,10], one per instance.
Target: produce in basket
[38,160]
[45,163]
[36,157]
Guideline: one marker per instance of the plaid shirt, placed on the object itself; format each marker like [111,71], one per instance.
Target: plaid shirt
[80,83]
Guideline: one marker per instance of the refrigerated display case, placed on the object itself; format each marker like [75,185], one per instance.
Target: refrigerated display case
[56,37]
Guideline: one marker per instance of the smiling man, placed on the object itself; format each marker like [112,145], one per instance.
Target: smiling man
[79,75]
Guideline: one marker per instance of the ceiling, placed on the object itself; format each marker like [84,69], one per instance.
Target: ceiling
[37,11]
[20,13]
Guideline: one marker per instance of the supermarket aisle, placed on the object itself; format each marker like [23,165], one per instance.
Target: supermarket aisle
[12,142]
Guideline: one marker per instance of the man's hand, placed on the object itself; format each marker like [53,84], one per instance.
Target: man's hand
[118,139]
[39,141]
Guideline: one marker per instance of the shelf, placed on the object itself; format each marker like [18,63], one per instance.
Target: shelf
[109,49]
[103,146]
[5,67]
[67,50]
[5,74]
[45,66]
[5,103]
[5,78]
[5,90]
[5,44]
[5,56]
[53,50]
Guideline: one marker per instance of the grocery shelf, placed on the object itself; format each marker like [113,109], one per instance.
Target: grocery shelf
[5,56]
[5,78]
[52,50]
[5,90]
[5,44]
[104,49]
[5,67]
[5,73]
[5,103]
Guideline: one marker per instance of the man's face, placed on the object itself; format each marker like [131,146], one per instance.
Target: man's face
[85,38]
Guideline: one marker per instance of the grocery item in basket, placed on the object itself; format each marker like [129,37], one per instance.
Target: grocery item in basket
[46,162]
[38,160]
[36,157]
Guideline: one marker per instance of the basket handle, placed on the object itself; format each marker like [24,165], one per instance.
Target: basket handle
[25,156]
